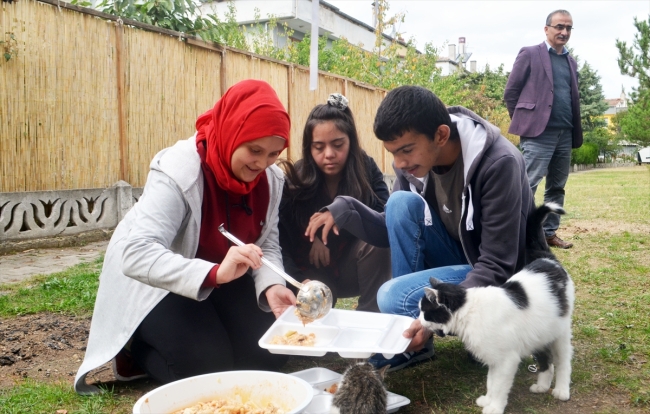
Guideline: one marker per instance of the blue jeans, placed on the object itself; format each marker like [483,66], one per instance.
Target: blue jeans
[549,155]
[418,252]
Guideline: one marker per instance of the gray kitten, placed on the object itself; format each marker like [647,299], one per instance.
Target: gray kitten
[361,391]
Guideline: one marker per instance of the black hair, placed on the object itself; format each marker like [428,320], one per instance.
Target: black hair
[411,108]
[306,181]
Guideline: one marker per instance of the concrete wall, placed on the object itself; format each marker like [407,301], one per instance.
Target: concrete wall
[585,167]
[39,214]
[42,214]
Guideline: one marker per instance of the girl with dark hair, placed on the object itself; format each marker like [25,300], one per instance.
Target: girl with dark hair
[333,164]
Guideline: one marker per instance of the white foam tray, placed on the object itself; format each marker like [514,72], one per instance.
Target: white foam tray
[353,334]
[323,378]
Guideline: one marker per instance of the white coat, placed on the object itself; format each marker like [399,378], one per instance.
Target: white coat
[152,253]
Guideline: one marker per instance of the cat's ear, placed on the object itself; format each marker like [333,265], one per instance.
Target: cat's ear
[432,295]
[382,371]
[435,282]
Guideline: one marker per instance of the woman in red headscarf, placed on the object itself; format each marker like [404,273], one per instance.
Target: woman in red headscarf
[175,298]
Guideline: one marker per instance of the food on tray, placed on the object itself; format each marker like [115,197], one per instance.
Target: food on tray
[332,388]
[294,338]
[229,406]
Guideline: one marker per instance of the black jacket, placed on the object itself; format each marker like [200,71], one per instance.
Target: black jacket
[296,247]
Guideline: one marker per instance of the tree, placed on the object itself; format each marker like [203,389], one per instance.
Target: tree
[603,140]
[592,100]
[178,15]
[634,61]
[491,83]
[635,122]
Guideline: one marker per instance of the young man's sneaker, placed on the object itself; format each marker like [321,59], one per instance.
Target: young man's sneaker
[125,368]
[404,360]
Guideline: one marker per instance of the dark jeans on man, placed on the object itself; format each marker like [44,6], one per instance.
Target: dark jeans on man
[549,155]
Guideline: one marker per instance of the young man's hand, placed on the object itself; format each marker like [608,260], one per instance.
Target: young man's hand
[324,220]
[419,334]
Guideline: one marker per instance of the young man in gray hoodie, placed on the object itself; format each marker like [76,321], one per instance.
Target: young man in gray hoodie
[457,212]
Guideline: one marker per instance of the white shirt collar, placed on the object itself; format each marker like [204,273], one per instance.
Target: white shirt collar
[549,47]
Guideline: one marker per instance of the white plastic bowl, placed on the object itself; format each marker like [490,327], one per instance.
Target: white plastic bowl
[291,393]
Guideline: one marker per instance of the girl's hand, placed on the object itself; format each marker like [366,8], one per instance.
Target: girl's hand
[319,255]
[237,261]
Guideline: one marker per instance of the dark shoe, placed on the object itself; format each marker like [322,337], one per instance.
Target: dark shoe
[404,360]
[555,241]
[125,368]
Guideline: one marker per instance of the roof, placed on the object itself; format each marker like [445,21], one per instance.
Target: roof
[446,59]
[360,23]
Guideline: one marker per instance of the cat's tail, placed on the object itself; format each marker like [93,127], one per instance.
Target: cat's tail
[535,238]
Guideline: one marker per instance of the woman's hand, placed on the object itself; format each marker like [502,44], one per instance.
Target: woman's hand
[419,335]
[319,220]
[237,261]
[319,255]
[279,298]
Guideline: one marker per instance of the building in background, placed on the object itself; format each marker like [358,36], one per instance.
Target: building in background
[615,106]
[456,61]
[296,14]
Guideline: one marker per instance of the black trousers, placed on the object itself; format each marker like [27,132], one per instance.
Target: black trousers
[182,337]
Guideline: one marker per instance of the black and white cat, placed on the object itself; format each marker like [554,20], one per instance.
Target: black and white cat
[529,314]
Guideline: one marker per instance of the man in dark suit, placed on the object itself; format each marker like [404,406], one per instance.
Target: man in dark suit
[544,104]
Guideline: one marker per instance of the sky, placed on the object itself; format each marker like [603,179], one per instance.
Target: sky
[496,30]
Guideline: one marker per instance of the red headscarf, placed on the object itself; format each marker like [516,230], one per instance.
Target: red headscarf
[247,111]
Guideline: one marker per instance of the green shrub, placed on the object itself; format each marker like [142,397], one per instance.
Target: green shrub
[586,154]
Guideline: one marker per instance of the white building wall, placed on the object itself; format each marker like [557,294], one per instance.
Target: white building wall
[246,9]
[297,14]
[446,67]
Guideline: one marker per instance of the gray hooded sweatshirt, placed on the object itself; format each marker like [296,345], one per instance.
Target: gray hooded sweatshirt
[496,203]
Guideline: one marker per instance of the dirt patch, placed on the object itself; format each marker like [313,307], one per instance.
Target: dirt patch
[44,347]
[50,348]
[596,226]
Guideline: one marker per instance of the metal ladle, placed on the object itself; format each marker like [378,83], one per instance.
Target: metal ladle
[314,298]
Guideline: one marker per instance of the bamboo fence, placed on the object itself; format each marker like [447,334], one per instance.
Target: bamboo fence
[87,99]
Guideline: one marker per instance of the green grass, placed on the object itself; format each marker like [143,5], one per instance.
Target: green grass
[71,291]
[610,264]
[608,194]
[32,397]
